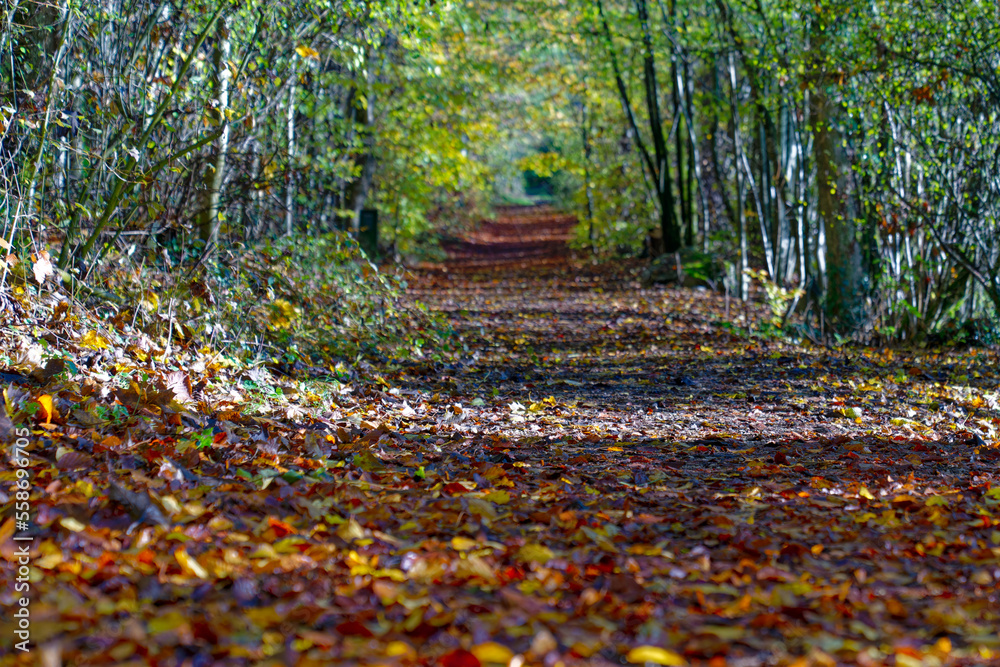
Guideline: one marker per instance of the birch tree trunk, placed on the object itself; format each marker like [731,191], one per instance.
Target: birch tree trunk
[290,177]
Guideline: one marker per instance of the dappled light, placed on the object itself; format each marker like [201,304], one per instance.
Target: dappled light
[521,333]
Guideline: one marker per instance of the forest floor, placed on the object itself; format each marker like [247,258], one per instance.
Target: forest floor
[605,474]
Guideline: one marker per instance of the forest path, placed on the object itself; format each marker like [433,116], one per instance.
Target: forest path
[676,485]
[590,472]
[663,361]
[530,236]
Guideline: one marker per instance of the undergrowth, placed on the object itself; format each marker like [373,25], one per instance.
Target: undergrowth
[320,307]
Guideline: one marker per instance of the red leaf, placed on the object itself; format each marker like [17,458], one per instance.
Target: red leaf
[357,629]
[460,658]
[454,488]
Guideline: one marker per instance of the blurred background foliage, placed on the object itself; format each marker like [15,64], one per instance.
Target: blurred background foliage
[211,152]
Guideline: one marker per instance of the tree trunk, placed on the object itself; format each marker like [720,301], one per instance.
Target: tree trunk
[587,152]
[741,209]
[657,166]
[209,220]
[34,167]
[664,186]
[676,100]
[290,176]
[364,161]
[844,299]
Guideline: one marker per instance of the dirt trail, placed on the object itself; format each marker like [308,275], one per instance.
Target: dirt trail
[528,235]
[538,321]
[718,495]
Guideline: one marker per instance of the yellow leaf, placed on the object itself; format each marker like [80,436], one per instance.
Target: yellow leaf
[46,402]
[397,649]
[463,543]
[265,550]
[535,553]
[289,545]
[283,314]
[498,497]
[7,529]
[351,530]
[69,523]
[483,508]
[907,660]
[49,561]
[8,403]
[475,567]
[307,51]
[981,578]
[726,632]
[587,647]
[93,341]
[166,622]
[189,564]
[488,652]
[150,300]
[122,651]
[170,504]
[655,655]
[865,493]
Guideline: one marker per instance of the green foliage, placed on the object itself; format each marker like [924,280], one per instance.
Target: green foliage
[836,140]
[322,301]
[779,299]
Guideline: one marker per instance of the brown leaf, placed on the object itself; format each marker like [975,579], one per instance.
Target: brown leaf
[73,460]
[45,373]
[139,505]
[769,573]
[179,383]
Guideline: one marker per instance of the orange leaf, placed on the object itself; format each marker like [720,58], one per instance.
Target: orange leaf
[281,528]
[46,402]
[189,564]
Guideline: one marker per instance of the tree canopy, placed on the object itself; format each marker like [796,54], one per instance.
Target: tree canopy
[499,332]
[845,149]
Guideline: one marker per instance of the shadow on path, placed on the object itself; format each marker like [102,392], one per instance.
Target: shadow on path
[724,495]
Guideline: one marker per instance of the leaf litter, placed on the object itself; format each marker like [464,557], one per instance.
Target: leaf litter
[602,473]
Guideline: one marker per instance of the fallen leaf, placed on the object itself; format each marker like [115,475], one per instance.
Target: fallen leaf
[42,267]
[655,655]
